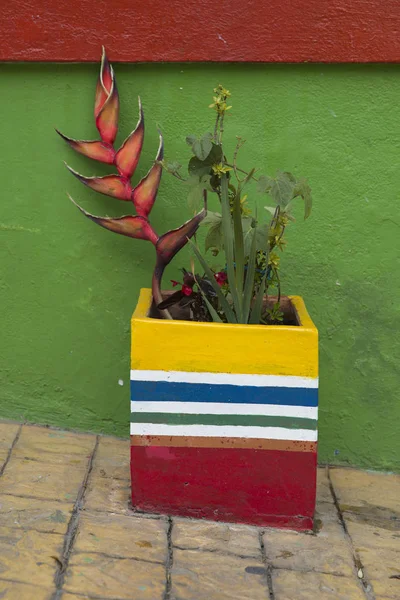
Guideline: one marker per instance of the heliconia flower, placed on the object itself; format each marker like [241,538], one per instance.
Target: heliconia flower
[142,196]
[221,277]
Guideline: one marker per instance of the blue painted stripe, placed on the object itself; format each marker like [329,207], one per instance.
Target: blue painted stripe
[167,391]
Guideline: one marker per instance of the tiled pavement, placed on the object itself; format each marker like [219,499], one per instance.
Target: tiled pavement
[67,533]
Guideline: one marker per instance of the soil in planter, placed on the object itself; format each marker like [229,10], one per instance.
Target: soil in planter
[178,313]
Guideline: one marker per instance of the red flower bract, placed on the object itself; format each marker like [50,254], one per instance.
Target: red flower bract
[187,290]
[221,277]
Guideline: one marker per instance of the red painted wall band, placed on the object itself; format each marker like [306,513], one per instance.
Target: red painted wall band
[260,487]
[189,30]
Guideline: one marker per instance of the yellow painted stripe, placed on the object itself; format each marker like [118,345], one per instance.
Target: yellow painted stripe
[220,347]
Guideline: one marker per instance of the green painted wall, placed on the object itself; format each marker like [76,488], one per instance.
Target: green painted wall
[68,287]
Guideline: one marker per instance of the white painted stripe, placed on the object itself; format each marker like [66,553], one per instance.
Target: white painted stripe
[225,408]
[268,433]
[225,379]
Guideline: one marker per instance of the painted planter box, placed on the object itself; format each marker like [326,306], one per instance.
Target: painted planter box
[224,419]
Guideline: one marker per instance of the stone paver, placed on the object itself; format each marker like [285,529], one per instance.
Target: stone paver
[42,480]
[29,513]
[21,591]
[366,492]
[112,459]
[43,439]
[115,578]
[378,546]
[115,553]
[289,585]
[207,535]
[123,536]
[29,556]
[107,494]
[204,575]
[328,551]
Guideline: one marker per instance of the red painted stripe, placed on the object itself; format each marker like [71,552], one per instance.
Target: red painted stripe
[260,31]
[259,487]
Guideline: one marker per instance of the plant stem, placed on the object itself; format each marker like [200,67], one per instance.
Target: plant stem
[240,170]
[235,167]
[279,285]
[156,289]
[216,129]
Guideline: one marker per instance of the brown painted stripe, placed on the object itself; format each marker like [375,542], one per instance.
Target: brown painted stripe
[220,442]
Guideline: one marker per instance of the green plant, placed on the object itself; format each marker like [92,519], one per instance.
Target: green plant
[125,159]
[250,246]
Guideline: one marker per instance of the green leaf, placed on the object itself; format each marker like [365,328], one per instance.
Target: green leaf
[261,234]
[173,167]
[197,187]
[199,167]
[195,197]
[303,189]
[248,227]
[271,209]
[287,211]
[212,218]
[229,244]
[191,139]
[230,315]
[249,284]
[202,147]
[214,315]
[214,237]
[238,248]
[264,184]
[282,188]
[255,316]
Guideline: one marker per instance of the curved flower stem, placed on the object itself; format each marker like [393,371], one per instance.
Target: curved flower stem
[156,288]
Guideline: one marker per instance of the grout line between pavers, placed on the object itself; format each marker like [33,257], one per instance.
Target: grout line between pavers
[169,562]
[268,566]
[358,566]
[73,524]
[62,501]
[11,448]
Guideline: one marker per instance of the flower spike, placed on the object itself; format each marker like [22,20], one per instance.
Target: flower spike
[145,193]
[119,186]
